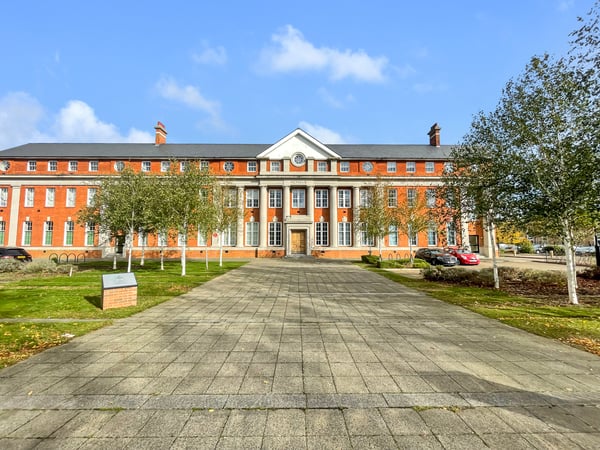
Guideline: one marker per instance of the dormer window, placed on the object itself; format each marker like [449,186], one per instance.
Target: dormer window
[275,166]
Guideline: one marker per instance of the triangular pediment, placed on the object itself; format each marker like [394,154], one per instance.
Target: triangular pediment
[298,141]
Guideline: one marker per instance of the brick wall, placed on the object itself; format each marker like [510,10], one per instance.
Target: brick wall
[119,297]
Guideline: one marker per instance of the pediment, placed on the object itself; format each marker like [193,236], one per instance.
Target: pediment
[298,141]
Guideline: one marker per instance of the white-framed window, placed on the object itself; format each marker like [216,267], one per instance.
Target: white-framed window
[146,166]
[252,198]
[411,196]
[365,198]
[27,231]
[322,166]
[91,194]
[432,235]
[70,201]
[252,234]
[322,234]
[90,228]
[251,166]
[391,166]
[274,198]
[429,166]
[29,197]
[31,166]
[392,197]
[451,233]
[93,166]
[345,166]
[73,165]
[344,234]
[366,240]
[298,198]
[50,197]
[202,238]
[181,239]
[165,166]
[412,237]
[142,238]
[430,198]
[69,231]
[231,198]
[344,198]
[275,234]
[2,231]
[3,196]
[183,165]
[52,166]
[275,166]
[230,236]
[321,198]
[411,167]
[162,239]
[204,165]
[393,236]
[448,167]
[119,166]
[48,231]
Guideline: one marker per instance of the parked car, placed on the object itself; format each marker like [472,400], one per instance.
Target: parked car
[538,248]
[465,257]
[585,251]
[15,253]
[436,256]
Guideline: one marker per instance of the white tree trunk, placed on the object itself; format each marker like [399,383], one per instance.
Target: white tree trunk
[129,249]
[570,260]
[206,258]
[221,250]
[492,234]
[115,261]
[162,259]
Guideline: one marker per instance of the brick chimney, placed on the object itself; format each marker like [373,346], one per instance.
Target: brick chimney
[161,134]
[434,135]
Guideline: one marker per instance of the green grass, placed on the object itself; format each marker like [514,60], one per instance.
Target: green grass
[36,296]
[578,325]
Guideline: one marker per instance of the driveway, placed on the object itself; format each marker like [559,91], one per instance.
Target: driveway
[303,354]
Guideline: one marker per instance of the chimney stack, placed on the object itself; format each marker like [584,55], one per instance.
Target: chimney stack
[434,135]
[161,134]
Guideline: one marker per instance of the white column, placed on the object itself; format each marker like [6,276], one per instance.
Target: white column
[285,203]
[13,220]
[263,228]
[333,216]
[310,202]
[355,213]
[240,223]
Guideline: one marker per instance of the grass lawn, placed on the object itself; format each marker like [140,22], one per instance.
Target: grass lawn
[78,298]
[575,325]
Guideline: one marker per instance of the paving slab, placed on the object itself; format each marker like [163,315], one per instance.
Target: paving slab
[303,353]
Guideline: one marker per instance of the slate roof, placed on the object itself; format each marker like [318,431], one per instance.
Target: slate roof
[211,151]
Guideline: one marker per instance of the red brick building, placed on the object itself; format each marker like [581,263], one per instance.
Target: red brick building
[297,196]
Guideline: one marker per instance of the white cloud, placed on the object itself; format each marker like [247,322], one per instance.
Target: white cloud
[324,135]
[22,118]
[211,55]
[334,101]
[292,52]
[565,5]
[188,95]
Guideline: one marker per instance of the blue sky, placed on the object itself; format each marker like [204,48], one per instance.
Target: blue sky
[379,72]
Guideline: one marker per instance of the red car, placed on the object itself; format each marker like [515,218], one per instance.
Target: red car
[464,257]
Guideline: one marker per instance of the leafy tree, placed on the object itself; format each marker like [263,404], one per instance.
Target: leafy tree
[535,157]
[412,216]
[182,207]
[223,212]
[375,217]
[120,207]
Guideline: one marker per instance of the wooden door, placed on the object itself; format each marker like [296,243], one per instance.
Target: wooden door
[298,242]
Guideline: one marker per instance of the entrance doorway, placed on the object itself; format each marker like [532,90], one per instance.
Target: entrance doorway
[474,243]
[298,242]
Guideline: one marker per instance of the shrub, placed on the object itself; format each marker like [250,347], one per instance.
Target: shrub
[458,276]
[558,250]
[526,246]
[370,259]
[591,273]
[10,265]
[47,266]
[401,263]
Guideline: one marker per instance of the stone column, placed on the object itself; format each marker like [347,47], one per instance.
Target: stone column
[333,219]
[240,222]
[285,203]
[13,219]
[355,213]
[264,206]
[310,202]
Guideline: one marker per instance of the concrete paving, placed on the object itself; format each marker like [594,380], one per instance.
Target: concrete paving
[300,354]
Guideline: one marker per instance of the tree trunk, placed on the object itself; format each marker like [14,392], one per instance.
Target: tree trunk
[492,234]
[183,257]
[115,261]
[129,249]
[221,250]
[570,260]
[162,259]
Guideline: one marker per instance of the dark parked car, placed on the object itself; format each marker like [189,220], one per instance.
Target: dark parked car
[15,253]
[436,256]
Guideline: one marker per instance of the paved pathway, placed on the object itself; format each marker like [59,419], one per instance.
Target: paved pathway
[296,354]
